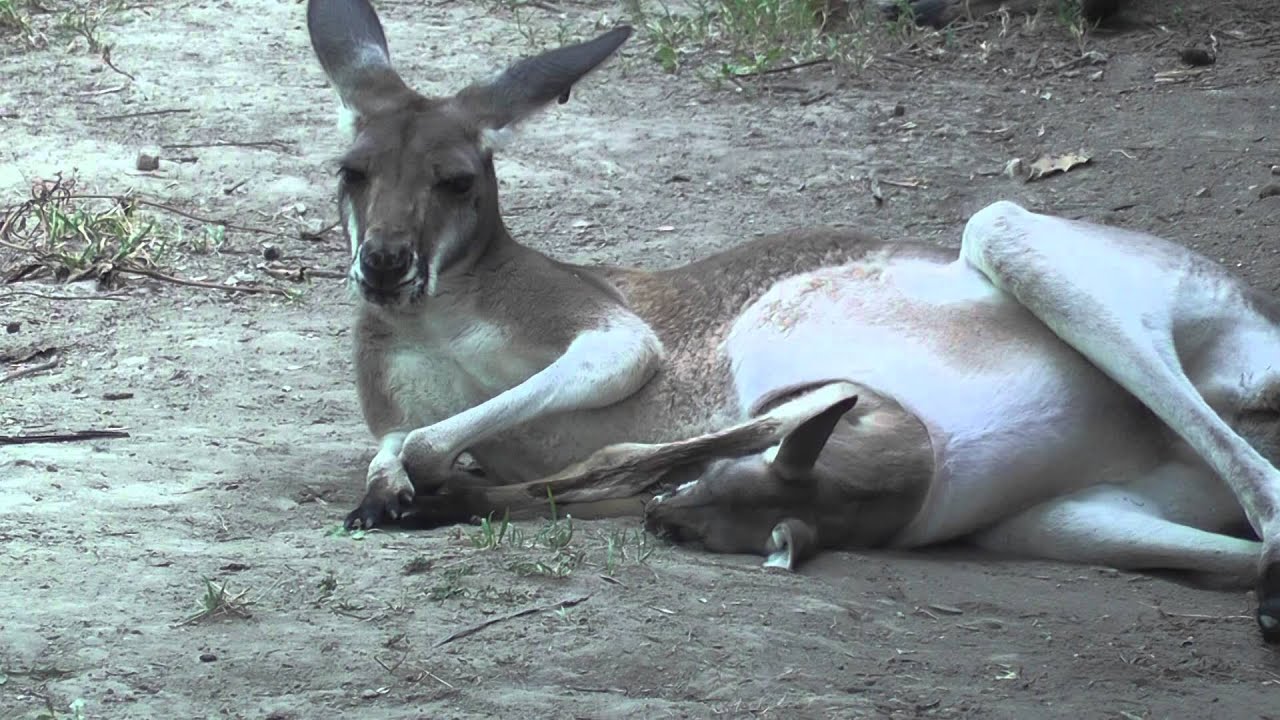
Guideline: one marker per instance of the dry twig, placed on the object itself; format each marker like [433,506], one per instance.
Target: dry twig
[76,436]
[24,372]
[512,616]
[143,113]
[250,289]
[115,296]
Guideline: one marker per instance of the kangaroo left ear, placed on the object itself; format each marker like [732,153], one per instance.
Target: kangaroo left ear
[534,82]
[800,449]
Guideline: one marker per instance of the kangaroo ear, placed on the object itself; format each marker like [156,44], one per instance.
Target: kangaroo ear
[532,83]
[800,449]
[348,40]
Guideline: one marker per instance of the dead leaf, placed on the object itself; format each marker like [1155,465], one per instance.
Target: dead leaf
[1052,164]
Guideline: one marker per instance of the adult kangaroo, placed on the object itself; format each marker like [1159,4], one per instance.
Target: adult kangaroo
[1056,389]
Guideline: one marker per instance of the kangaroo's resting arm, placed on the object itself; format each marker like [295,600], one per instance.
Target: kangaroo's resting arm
[625,470]
[600,367]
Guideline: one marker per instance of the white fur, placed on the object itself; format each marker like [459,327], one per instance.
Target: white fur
[1125,320]
[348,121]
[495,139]
[446,243]
[386,466]
[1151,521]
[353,232]
[784,556]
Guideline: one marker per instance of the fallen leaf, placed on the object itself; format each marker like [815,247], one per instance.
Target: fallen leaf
[1052,164]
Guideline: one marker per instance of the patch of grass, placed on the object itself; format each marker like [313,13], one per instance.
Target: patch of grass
[84,20]
[36,22]
[75,711]
[490,535]
[747,37]
[216,601]
[551,541]
[627,545]
[15,19]
[450,583]
[1070,15]
[325,588]
[208,241]
[417,565]
[70,236]
[341,531]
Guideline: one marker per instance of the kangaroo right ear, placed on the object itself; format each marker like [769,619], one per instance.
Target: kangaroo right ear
[348,40]
[800,449]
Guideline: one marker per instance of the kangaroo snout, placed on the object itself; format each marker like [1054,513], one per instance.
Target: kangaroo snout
[386,265]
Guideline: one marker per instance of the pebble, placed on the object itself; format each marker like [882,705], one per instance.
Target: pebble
[147,162]
[1197,57]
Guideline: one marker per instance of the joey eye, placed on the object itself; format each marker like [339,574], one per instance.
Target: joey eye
[456,184]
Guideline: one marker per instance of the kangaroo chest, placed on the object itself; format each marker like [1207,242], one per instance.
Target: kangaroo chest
[435,371]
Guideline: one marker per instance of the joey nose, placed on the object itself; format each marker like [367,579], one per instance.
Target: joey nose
[385,266]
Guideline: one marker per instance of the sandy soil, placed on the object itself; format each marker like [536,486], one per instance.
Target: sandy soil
[246,450]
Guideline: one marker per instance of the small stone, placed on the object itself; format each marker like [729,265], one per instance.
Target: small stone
[1269,190]
[270,253]
[899,110]
[1275,169]
[13,327]
[1203,192]
[147,162]
[208,657]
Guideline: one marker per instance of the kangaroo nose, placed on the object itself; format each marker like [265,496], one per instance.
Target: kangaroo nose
[385,266]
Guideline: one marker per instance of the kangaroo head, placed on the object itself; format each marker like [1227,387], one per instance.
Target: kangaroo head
[417,193]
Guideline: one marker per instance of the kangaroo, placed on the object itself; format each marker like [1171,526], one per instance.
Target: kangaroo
[1055,388]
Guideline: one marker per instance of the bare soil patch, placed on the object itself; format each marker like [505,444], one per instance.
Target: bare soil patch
[245,447]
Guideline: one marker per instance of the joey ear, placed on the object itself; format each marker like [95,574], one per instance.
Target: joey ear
[801,447]
[532,83]
[348,41]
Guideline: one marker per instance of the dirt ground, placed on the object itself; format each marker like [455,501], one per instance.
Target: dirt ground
[246,448]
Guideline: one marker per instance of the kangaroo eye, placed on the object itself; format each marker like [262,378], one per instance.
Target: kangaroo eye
[456,184]
[352,176]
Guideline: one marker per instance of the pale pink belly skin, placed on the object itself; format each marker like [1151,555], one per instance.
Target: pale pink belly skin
[1015,415]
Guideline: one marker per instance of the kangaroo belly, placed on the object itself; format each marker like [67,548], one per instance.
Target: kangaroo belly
[1015,415]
